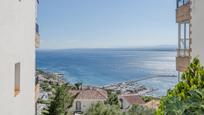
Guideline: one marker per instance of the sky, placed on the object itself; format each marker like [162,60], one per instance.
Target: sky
[106,23]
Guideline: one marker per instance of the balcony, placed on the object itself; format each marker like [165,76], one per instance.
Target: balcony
[183,11]
[183,52]
[37,36]
[183,59]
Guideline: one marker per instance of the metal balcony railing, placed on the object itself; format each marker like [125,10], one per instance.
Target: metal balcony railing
[183,11]
[182,2]
[183,52]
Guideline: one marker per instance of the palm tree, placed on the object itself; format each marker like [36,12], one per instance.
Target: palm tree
[78,85]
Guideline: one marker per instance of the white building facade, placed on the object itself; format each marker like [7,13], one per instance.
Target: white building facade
[85,98]
[198,29]
[189,16]
[18,40]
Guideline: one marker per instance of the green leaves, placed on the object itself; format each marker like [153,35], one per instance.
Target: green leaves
[140,110]
[112,99]
[61,102]
[78,85]
[102,109]
[187,97]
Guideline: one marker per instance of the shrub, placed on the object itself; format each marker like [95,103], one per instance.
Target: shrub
[188,95]
[102,109]
[140,110]
[112,99]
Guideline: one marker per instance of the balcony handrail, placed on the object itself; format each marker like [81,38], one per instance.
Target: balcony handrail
[183,13]
[37,28]
[181,3]
[183,52]
[183,49]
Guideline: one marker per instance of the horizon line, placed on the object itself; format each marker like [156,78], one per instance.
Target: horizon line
[160,47]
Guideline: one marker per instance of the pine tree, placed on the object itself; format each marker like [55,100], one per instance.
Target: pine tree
[61,102]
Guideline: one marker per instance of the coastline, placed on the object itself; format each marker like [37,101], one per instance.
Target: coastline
[50,82]
[137,87]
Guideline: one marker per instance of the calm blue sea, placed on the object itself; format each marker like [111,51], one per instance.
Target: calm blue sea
[105,66]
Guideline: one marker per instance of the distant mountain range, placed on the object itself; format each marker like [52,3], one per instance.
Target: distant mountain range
[152,48]
[161,48]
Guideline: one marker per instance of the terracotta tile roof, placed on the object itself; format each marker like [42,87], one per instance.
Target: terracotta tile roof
[90,94]
[103,92]
[133,99]
[74,92]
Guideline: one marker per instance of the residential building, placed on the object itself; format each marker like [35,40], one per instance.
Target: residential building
[85,98]
[126,101]
[18,39]
[189,16]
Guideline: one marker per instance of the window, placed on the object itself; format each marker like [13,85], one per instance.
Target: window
[78,106]
[17,79]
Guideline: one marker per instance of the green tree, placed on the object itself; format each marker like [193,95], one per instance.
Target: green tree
[149,98]
[61,102]
[102,109]
[140,110]
[187,96]
[112,99]
[78,85]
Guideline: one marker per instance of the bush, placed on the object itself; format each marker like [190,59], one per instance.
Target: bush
[43,101]
[148,98]
[112,99]
[188,95]
[102,109]
[140,110]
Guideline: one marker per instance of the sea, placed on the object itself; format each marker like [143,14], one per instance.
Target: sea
[151,68]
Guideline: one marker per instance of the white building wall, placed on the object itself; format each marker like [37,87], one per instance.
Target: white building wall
[124,104]
[17,44]
[198,29]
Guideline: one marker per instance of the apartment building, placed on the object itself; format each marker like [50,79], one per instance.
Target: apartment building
[189,16]
[198,29]
[18,39]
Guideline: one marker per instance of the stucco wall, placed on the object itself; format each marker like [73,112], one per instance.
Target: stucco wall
[17,35]
[198,29]
[124,104]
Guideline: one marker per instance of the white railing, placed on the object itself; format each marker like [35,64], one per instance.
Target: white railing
[183,52]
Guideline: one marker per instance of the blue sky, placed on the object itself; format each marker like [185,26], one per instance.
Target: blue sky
[106,23]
